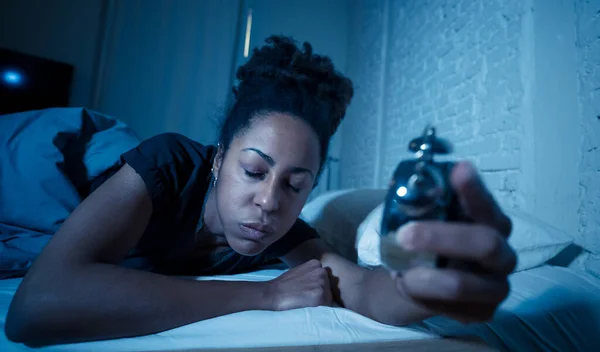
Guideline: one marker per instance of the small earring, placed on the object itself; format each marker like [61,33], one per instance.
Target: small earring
[212,173]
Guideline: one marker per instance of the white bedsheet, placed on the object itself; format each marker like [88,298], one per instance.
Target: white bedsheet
[549,308]
[308,326]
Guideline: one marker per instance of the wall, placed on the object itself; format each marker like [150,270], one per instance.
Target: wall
[167,65]
[366,67]
[450,64]
[322,23]
[462,74]
[514,84]
[172,68]
[587,15]
[67,31]
[557,132]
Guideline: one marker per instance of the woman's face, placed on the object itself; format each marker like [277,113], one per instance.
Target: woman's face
[264,181]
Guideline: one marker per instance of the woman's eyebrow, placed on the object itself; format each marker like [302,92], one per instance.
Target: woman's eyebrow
[267,158]
[271,162]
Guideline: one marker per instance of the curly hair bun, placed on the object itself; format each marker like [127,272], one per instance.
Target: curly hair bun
[281,60]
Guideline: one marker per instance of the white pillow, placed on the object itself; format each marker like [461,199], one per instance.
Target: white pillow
[336,216]
[534,241]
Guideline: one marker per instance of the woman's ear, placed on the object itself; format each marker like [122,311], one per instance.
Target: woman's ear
[218,161]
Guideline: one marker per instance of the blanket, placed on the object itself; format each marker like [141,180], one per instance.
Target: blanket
[49,160]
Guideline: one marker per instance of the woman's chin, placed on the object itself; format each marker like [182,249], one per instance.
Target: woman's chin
[246,247]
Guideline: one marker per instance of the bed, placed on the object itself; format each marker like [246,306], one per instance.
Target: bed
[58,153]
[549,309]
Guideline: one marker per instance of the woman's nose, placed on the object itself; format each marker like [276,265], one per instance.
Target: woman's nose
[267,197]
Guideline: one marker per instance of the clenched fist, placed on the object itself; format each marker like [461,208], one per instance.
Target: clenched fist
[306,285]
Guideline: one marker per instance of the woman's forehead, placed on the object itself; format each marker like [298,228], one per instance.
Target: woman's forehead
[281,137]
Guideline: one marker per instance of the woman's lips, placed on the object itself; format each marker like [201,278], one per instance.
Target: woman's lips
[255,231]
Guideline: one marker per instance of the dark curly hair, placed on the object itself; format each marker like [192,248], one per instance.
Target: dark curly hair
[279,77]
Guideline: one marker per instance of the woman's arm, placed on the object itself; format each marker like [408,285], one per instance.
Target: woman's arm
[76,292]
[423,292]
[371,293]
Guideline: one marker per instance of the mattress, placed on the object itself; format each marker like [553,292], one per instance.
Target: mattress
[307,326]
[549,308]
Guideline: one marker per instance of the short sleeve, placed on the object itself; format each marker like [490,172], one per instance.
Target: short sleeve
[165,163]
[299,233]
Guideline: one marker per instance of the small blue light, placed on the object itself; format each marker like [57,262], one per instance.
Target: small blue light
[12,77]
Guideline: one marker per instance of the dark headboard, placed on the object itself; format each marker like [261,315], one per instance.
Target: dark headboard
[29,82]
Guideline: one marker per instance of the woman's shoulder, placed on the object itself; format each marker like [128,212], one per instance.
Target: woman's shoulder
[170,157]
[170,147]
[168,163]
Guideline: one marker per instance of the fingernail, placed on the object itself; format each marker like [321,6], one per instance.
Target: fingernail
[422,276]
[465,169]
[406,236]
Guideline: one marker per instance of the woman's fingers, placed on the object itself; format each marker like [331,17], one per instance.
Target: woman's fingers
[465,296]
[461,296]
[452,286]
[474,242]
[476,200]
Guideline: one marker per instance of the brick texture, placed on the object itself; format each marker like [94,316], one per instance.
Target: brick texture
[467,66]
[456,65]
[451,63]
[505,81]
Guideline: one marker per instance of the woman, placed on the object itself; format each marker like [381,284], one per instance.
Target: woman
[176,207]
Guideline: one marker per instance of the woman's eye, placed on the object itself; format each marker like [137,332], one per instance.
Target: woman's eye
[254,174]
[294,189]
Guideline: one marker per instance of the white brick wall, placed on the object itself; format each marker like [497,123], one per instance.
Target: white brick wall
[515,84]
[456,64]
[453,63]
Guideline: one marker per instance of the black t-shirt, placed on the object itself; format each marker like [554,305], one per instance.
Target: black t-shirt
[177,174]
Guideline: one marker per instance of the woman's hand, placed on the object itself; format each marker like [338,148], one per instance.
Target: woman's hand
[464,296]
[306,285]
